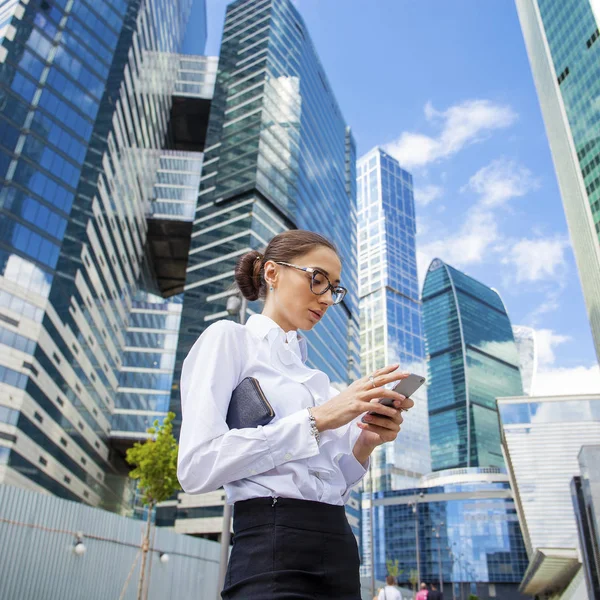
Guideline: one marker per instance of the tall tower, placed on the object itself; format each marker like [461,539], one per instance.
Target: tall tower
[86,307]
[279,156]
[390,308]
[562,40]
[472,360]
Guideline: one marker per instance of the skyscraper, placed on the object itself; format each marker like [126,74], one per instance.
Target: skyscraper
[87,98]
[472,359]
[528,357]
[561,37]
[279,156]
[390,308]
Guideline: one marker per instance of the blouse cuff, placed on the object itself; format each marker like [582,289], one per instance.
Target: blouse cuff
[352,470]
[291,438]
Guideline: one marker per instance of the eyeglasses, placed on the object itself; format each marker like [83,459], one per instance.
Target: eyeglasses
[319,282]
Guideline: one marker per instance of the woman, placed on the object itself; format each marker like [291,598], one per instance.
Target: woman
[288,480]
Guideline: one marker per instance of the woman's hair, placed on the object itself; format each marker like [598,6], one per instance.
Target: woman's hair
[285,247]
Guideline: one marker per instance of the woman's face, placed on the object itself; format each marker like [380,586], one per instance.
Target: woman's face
[292,304]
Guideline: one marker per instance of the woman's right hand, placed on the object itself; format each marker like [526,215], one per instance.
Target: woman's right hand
[361,397]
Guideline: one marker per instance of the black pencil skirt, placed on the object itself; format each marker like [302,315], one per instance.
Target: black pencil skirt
[293,550]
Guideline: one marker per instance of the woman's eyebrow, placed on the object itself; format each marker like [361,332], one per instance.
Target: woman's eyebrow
[324,273]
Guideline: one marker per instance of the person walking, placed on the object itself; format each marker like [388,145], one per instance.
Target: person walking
[289,479]
[390,591]
[423,593]
[434,593]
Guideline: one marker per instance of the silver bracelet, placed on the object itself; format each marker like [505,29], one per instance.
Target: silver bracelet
[313,425]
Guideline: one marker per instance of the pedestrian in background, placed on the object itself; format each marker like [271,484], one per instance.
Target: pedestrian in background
[434,593]
[288,479]
[390,591]
[423,593]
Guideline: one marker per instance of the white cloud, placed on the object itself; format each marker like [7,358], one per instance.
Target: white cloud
[500,181]
[460,125]
[427,194]
[567,381]
[546,340]
[469,245]
[537,259]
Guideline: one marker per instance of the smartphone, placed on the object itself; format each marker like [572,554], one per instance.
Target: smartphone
[407,387]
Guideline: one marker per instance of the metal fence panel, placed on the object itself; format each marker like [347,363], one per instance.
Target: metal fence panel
[37,562]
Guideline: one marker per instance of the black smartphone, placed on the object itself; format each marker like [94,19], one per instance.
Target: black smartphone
[407,387]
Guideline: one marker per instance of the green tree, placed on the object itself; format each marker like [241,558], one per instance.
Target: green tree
[413,577]
[393,567]
[155,469]
[473,597]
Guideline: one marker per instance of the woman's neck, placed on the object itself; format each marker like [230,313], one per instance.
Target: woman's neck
[277,318]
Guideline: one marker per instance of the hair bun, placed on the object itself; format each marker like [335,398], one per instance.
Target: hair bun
[248,274]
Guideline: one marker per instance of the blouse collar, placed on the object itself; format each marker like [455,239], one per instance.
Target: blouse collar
[262,326]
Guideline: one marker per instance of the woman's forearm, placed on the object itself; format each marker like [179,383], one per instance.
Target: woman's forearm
[362,451]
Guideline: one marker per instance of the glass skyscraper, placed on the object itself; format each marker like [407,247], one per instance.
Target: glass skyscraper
[278,156]
[87,305]
[463,526]
[562,40]
[391,328]
[472,359]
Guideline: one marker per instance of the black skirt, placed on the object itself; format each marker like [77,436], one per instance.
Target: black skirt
[293,550]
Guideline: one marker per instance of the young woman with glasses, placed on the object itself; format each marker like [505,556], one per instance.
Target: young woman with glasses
[288,480]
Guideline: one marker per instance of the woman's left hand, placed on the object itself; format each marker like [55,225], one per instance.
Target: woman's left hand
[376,431]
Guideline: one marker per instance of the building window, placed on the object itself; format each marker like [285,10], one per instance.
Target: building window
[75,349]
[59,400]
[43,461]
[28,365]
[63,442]
[38,417]
[85,494]
[67,479]
[563,76]
[592,39]
[80,424]
[8,437]
[8,320]
[83,461]
[56,357]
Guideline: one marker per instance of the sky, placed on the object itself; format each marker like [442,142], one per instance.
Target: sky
[446,88]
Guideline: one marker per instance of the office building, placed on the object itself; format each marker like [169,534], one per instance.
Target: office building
[391,329]
[472,359]
[526,342]
[458,529]
[278,156]
[92,176]
[561,37]
[542,438]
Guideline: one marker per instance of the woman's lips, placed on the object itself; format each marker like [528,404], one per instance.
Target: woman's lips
[315,314]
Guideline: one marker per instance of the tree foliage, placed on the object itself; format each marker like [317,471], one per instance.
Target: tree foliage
[393,567]
[155,463]
[413,577]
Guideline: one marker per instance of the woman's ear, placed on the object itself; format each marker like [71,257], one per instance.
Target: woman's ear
[270,270]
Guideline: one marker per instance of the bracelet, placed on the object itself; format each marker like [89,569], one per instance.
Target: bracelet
[313,426]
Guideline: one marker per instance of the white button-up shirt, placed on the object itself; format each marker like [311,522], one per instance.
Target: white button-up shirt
[281,459]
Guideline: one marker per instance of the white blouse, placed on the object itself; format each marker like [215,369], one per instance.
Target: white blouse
[281,459]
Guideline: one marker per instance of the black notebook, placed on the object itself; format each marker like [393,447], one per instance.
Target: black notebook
[248,406]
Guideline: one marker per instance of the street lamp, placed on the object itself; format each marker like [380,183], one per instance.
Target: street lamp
[237,305]
[436,531]
[415,509]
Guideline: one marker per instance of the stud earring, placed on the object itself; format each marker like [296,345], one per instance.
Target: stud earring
[271,289]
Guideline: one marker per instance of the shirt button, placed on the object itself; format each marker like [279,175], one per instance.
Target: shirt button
[288,456]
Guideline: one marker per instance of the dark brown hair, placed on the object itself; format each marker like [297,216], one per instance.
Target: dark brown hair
[285,247]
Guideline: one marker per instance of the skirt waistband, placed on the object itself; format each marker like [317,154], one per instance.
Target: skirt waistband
[290,512]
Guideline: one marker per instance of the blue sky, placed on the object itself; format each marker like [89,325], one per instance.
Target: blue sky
[446,88]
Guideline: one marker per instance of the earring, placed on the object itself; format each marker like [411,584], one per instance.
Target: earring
[271,289]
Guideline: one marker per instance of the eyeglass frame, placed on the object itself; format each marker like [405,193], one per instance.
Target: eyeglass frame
[312,271]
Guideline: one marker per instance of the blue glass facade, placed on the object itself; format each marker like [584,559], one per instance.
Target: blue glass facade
[464,523]
[562,40]
[472,360]
[278,156]
[391,327]
[87,91]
